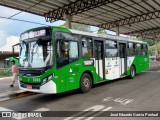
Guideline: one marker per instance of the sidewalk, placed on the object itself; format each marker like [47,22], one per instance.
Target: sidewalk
[7,92]
[154,64]
[5,85]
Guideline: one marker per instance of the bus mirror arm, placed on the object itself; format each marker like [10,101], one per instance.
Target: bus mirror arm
[13,52]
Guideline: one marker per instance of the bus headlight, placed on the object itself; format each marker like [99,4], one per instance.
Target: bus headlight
[44,81]
[50,77]
[47,79]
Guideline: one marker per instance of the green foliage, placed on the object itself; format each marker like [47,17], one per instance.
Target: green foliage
[153,47]
[4,73]
[101,31]
[80,27]
[149,41]
[135,38]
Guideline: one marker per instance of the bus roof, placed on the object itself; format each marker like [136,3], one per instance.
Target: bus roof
[114,37]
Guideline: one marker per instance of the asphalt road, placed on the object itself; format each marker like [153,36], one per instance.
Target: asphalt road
[139,94]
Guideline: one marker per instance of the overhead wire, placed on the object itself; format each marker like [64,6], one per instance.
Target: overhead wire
[26,8]
[10,18]
[23,21]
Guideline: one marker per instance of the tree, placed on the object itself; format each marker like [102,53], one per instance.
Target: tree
[101,31]
[149,41]
[81,27]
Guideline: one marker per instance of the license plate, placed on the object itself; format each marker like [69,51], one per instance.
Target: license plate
[29,87]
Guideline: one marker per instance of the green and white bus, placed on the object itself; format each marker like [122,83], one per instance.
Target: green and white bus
[8,62]
[57,59]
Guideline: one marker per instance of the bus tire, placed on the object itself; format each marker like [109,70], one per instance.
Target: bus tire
[85,83]
[132,72]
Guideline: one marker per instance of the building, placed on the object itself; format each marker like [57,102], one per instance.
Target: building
[4,55]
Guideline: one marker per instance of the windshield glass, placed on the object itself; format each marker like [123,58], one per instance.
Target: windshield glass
[36,54]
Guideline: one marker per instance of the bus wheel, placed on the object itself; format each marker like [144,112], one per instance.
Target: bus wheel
[85,83]
[132,72]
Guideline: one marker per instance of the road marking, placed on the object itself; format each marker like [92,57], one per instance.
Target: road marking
[122,101]
[93,108]
[2,109]
[100,112]
[42,109]
[97,109]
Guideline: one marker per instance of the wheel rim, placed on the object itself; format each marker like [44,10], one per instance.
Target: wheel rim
[86,83]
[133,73]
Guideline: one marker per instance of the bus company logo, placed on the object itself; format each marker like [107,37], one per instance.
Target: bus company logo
[6,114]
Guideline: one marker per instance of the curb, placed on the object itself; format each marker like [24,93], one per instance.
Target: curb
[14,94]
[2,78]
[152,66]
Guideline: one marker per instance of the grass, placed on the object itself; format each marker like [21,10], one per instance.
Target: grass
[4,72]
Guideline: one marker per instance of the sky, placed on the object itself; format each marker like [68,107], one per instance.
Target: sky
[10,30]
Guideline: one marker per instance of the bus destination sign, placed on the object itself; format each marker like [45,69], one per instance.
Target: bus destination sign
[33,34]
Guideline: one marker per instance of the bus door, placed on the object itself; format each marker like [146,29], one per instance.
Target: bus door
[99,59]
[123,58]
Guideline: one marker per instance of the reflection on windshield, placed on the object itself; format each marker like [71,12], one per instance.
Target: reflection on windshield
[36,54]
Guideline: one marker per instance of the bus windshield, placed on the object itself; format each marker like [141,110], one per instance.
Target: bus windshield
[36,54]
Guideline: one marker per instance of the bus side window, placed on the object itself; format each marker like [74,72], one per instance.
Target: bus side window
[67,51]
[73,50]
[138,49]
[62,53]
[145,49]
[131,49]
[87,47]
[111,49]
[142,50]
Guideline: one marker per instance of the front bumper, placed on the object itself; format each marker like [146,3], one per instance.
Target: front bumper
[48,88]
